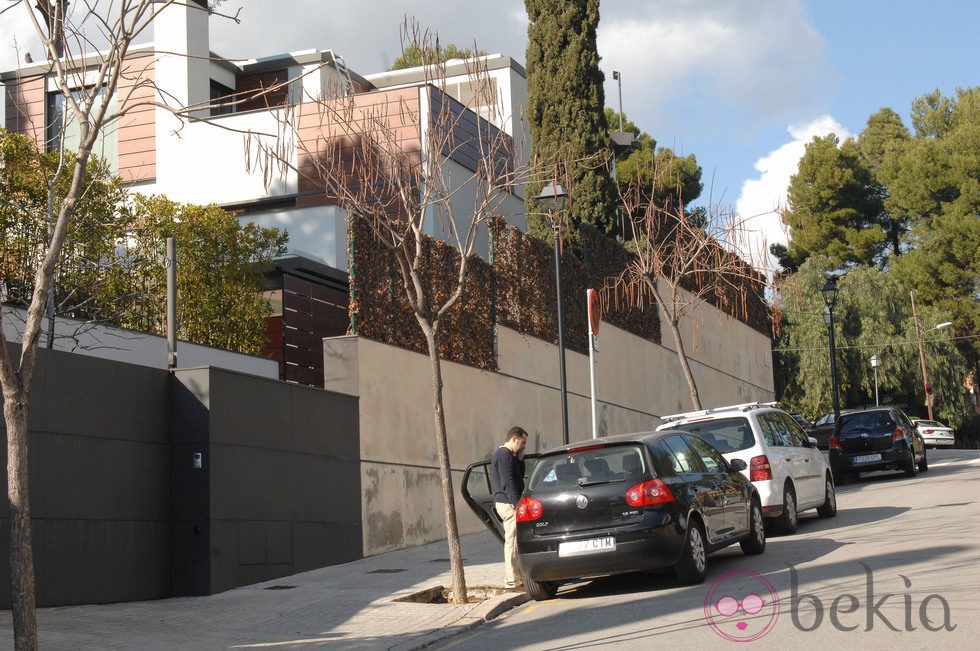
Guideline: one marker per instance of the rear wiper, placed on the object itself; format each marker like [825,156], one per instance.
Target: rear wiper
[586,482]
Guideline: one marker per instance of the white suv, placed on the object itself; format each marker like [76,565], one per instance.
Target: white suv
[785,465]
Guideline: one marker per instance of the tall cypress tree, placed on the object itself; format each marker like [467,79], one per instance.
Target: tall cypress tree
[565,105]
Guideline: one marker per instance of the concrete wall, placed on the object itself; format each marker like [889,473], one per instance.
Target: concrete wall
[120,511]
[637,382]
[278,488]
[100,482]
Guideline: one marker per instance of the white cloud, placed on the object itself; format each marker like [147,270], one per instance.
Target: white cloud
[18,38]
[368,34]
[738,63]
[761,198]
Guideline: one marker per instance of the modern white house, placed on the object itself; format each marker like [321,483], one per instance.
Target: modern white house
[207,155]
[207,151]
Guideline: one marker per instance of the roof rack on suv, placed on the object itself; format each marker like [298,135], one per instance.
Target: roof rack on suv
[745,406]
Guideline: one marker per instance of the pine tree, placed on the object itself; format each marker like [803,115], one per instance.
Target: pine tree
[566,115]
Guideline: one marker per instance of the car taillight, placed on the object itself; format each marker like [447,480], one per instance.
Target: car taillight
[529,509]
[898,435]
[759,469]
[927,431]
[649,493]
[834,443]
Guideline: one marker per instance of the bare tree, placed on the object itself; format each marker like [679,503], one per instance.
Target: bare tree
[89,83]
[683,259]
[366,155]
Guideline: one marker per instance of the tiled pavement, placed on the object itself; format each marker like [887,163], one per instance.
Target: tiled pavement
[344,606]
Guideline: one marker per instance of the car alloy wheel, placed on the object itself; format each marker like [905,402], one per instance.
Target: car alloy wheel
[829,507]
[924,464]
[910,466]
[789,520]
[755,542]
[693,563]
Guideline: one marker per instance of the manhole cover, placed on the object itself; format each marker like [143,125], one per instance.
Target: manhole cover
[386,571]
[280,587]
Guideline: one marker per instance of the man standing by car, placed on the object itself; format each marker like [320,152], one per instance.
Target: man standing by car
[507,480]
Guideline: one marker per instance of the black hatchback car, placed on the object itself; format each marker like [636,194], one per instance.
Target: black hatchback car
[627,503]
[882,438]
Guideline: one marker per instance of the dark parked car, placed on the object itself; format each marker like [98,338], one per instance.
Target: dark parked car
[626,503]
[822,429]
[804,423]
[882,438]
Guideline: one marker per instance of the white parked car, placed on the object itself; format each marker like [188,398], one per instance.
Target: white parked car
[789,472]
[934,433]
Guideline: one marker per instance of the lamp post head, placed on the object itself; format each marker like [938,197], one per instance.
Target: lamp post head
[875,361]
[615,75]
[828,318]
[944,324]
[829,292]
[554,196]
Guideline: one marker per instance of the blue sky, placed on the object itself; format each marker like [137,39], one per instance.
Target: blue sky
[742,84]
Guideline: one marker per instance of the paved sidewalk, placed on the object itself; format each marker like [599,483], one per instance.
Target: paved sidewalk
[350,606]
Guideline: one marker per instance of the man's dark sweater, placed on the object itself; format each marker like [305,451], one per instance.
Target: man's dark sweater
[506,476]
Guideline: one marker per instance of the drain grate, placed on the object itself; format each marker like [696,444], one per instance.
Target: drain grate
[280,587]
[387,571]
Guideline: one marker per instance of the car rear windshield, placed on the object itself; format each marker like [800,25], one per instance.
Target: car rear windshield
[929,423]
[868,421]
[726,434]
[588,465]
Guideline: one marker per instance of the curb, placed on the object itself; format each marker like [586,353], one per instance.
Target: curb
[482,612]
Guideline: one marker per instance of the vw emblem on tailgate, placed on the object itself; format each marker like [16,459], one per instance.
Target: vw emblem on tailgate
[864,435]
[581,501]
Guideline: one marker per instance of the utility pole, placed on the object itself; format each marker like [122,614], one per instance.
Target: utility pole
[922,357]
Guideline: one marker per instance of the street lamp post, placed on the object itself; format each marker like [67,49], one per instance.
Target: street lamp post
[619,82]
[874,365]
[829,292]
[555,198]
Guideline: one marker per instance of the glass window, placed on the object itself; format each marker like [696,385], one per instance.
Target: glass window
[478,483]
[726,434]
[710,457]
[771,430]
[793,432]
[591,464]
[681,456]
[222,99]
[62,129]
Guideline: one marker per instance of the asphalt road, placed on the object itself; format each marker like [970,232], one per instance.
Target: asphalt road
[899,567]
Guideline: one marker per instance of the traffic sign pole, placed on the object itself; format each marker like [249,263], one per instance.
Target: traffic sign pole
[594,316]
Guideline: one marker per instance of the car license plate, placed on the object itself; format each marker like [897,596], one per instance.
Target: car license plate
[867,458]
[591,546]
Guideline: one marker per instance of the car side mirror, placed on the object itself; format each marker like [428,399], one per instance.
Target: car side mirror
[738,465]
[812,441]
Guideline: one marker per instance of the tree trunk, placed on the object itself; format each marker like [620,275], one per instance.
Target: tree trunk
[682,356]
[16,410]
[445,472]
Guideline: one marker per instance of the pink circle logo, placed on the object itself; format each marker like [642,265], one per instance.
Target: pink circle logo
[741,606]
